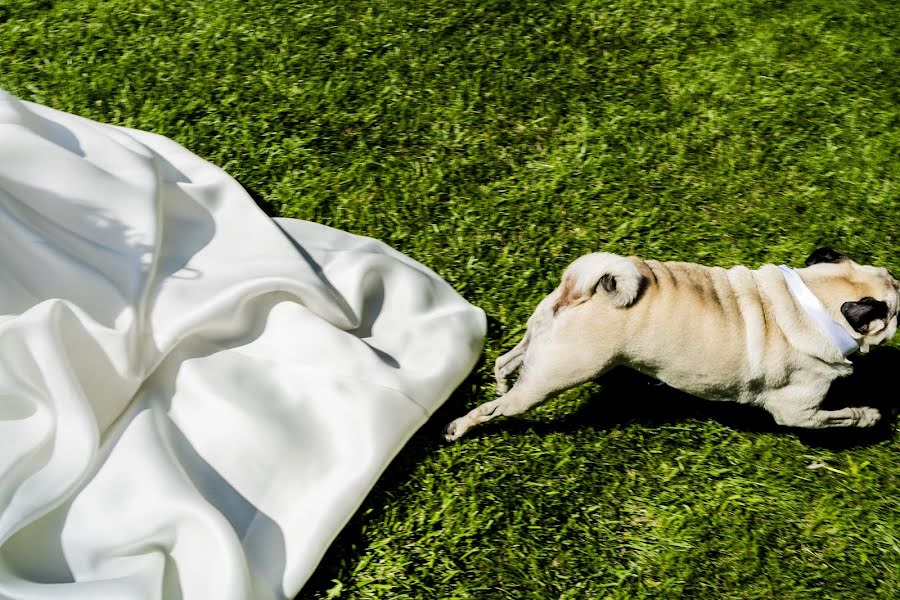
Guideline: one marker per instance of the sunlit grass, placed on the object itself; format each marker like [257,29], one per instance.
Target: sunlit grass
[495,141]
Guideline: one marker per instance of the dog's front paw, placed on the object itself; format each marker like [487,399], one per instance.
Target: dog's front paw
[867,417]
[455,429]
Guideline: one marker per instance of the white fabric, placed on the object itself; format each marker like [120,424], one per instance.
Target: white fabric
[192,403]
[816,311]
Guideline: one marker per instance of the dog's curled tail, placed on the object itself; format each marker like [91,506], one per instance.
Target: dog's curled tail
[614,275]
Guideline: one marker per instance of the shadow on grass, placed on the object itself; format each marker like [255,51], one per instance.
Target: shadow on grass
[629,397]
[625,397]
[260,201]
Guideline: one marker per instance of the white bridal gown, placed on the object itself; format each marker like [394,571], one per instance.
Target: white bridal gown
[194,398]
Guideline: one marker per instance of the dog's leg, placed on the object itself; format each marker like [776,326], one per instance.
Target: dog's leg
[548,369]
[509,363]
[537,326]
[853,416]
[519,399]
[789,410]
[552,355]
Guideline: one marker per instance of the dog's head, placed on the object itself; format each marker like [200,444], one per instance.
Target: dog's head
[865,298]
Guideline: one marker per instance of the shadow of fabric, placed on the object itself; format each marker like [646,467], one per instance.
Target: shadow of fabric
[53,132]
[96,245]
[372,306]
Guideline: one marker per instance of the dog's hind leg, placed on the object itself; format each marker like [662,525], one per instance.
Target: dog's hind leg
[509,363]
[537,326]
[549,368]
[551,356]
[516,401]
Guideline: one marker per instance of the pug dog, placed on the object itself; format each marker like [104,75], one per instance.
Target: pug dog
[774,337]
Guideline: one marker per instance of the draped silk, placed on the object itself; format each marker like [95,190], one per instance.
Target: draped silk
[194,398]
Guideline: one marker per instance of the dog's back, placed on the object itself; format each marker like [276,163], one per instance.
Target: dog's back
[701,329]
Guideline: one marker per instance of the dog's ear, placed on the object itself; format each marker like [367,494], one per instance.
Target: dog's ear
[865,315]
[825,255]
[608,282]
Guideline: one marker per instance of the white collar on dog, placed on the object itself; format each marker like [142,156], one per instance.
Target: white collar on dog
[813,307]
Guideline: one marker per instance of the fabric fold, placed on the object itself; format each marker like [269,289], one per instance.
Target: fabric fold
[194,398]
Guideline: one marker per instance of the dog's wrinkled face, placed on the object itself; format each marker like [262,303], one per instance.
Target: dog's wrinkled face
[868,298]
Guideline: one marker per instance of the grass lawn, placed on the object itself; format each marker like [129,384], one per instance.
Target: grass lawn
[495,141]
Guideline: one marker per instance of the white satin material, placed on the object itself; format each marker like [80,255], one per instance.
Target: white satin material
[194,398]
